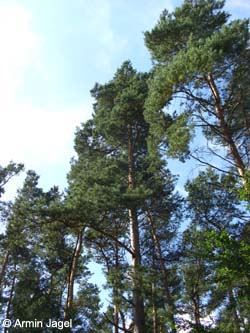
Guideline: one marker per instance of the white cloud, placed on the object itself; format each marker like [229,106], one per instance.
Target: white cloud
[18,47]
[41,138]
[38,136]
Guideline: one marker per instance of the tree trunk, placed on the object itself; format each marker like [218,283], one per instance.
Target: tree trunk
[7,316]
[225,130]
[123,319]
[164,270]
[196,308]
[72,274]
[4,265]
[116,309]
[138,303]
[236,319]
[195,294]
[139,316]
[154,312]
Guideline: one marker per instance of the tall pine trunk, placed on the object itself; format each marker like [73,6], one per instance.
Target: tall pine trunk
[116,308]
[138,303]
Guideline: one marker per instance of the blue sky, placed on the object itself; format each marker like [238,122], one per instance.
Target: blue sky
[52,53]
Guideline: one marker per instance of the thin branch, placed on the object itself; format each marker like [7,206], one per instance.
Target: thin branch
[114,324]
[213,166]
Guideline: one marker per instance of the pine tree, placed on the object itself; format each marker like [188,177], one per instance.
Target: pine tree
[120,132]
[202,58]
[219,218]
[36,249]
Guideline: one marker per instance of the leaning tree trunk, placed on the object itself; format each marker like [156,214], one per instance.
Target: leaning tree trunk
[154,307]
[139,315]
[72,274]
[227,136]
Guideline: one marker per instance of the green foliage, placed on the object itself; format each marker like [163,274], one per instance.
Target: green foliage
[120,103]
[6,173]
[196,18]
[231,255]
[179,135]
[193,43]
[223,246]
